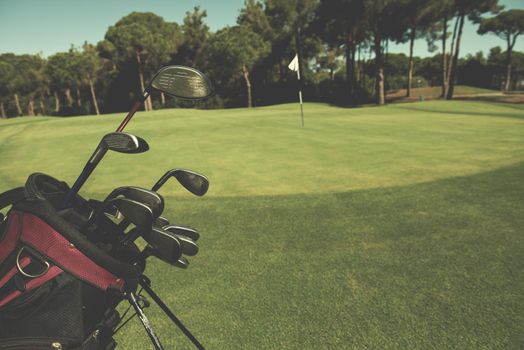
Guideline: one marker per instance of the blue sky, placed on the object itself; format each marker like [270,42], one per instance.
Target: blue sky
[49,26]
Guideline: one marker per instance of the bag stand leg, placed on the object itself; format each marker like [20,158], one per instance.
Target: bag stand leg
[131,297]
[146,283]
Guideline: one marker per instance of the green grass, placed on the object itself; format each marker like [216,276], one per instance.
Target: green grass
[469,90]
[434,92]
[399,227]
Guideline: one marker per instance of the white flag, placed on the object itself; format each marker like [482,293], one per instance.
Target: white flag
[293,65]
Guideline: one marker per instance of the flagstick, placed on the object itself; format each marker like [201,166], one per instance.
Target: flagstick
[300,92]
[301,109]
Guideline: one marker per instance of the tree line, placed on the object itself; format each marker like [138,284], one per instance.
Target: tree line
[342,47]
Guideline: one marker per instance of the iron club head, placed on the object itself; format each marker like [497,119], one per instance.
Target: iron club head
[164,244]
[194,182]
[183,231]
[161,221]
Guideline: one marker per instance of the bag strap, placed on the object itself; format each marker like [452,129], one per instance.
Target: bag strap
[12,196]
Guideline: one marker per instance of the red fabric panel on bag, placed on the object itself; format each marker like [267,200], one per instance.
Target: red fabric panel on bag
[33,283]
[39,235]
[8,243]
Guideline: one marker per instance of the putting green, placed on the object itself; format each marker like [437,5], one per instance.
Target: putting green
[264,151]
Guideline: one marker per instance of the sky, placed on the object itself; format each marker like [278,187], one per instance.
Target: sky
[50,26]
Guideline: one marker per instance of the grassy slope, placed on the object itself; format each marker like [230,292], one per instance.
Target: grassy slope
[394,227]
[462,92]
[264,151]
[435,91]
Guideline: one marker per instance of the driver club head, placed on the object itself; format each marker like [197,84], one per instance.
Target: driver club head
[182,82]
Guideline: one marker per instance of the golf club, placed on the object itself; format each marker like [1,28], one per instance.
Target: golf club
[163,245]
[194,182]
[183,231]
[139,214]
[178,81]
[188,246]
[183,263]
[94,204]
[157,237]
[150,198]
[133,234]
[150,251]
[161,221]
[115,141]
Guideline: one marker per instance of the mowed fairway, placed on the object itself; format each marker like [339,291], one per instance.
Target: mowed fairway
[400,227]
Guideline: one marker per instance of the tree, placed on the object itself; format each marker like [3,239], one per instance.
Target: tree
[253,16]
[195,34]
[474,71]
[90,65]
[144,40]
[328,59]
[497,65]
[441,12]
[27,80]
[341,23]
[236,50]
[381,17]
[508,25]
[61,73]
[517,64]
[283,24]
[292,18]
[7,75]
[416,18]
[77,67]
[472,9]
[430,68]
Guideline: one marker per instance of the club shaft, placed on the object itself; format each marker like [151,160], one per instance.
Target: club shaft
[129,237]
[130,115]
[161,182]
[88,169]
[84,175]
[133,110]
[169,313]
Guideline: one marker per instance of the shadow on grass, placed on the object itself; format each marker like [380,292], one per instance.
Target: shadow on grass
[517,99]
[518,114]
[428,266]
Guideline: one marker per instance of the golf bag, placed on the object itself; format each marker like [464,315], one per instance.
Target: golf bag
[58,287]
